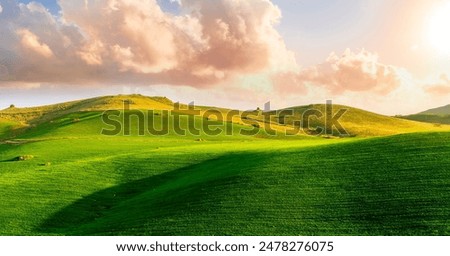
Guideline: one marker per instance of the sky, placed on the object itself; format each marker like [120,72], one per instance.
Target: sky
[389,57]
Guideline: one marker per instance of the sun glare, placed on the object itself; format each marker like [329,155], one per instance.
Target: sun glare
[439,30]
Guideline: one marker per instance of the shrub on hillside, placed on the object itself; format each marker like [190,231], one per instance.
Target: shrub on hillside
[24,158]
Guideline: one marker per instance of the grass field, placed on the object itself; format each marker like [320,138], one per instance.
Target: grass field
[82,183]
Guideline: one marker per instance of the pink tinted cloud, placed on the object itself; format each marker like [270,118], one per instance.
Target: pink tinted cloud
[32,43]
[134,41]
[441,87]
[290,83]
[356,72]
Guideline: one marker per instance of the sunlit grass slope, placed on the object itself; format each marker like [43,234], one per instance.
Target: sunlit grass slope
[356,122]
[193,128]
[7,127]
[42,114]
[135,186]
[76,181]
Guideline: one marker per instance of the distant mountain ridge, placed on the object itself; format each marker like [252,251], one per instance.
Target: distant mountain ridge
[445,110]
[437,116]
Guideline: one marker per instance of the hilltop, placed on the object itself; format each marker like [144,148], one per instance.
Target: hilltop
[357,122]
[42,114]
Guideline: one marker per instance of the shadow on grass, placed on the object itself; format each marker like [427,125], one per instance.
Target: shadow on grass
[17,159]
[162,197]
[392,186]
[9,160]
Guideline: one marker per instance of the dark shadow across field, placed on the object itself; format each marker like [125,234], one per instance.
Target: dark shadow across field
[160,196]
[370,187]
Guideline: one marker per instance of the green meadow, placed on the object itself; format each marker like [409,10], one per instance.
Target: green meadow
[60,176]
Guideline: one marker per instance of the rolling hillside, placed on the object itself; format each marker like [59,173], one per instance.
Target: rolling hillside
[42,114]
[167,186]
[7,128]
[437,120]
[356,122]
[445,110]
[60,176]
[290,191]
[436,116]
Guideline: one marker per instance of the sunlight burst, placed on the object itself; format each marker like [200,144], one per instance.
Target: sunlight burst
[439,30]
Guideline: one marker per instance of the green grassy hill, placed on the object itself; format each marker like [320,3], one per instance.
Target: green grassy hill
[436,116]
[445,110]
[358,122]
[42,114]
[437,120]
[7,127]
[60,176]
[130,186]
